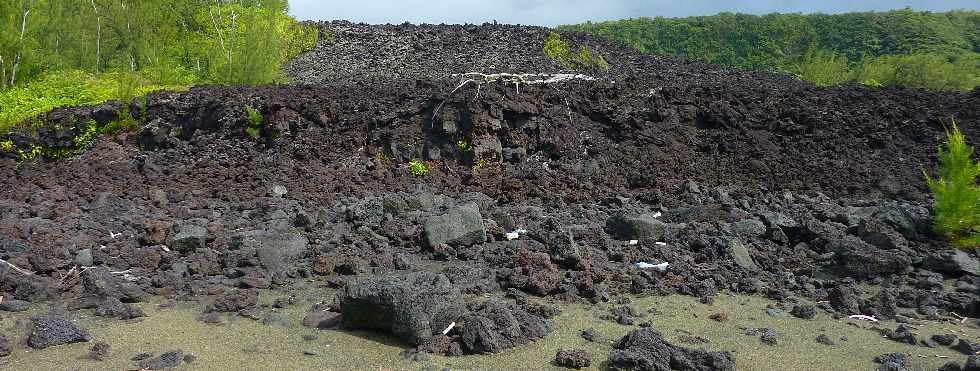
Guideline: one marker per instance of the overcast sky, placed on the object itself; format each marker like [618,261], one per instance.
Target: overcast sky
[554,12]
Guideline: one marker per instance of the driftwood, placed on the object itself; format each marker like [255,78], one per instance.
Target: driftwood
[479,79]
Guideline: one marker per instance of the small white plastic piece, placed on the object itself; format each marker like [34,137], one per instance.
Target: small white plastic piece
[633,242]
[661,243]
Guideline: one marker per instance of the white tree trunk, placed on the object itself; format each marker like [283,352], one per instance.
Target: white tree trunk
[98,37]
[20,51]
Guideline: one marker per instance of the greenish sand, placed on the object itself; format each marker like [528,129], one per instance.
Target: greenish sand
[246,344]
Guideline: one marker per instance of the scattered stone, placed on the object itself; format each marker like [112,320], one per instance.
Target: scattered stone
[968,347]
[14,305]
[944,339]
[693,339]
[412,306]
[166,360]
[902,334]
[51,330]
[824,339]
[720,317]
[972,363]
[321,320]
[5,347]
[235,301]
[142,356]
[950,366]
[277,319]
[892,362]
[929,343]
[590,335]
[99,351]
[775,312]
[310,353]
[253,313]
[804,311]
[212,318]
[646,349]
[189,358]
[494,326]
[768,336]
[573,358]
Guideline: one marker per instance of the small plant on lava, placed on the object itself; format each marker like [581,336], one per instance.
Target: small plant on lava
[418,168]
[254,125]
[956,211]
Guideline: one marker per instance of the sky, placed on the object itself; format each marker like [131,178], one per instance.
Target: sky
[555,12]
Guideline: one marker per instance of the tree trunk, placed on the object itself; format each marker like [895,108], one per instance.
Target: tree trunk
[98,37]
[20,51]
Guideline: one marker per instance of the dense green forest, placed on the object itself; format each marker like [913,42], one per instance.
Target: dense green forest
[938,51]
[66,52]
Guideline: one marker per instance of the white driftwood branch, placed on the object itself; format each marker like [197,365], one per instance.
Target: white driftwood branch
[517,79]
[17,269]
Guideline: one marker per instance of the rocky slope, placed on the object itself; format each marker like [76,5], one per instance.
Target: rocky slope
[748,182]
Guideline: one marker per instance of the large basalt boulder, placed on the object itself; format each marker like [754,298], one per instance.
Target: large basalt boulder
[956,262]
[460,225]
[860,259]
[636,227]
[646,349]
[412,306]
[495,326]
[189,237]
[50,330]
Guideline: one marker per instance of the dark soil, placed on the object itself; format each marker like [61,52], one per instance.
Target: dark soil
[748,182]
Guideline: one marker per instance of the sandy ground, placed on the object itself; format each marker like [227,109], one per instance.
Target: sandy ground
[245,344]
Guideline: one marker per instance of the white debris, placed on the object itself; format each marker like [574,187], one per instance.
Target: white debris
[662,267]
[114,235]
[862,317]
[515,234]
[450,328]
[634,242]
[661,243]
[657,214]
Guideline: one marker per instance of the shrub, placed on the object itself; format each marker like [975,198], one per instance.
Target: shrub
[418,168]
[956,211]
[822,67]
[559,51]
[65,89]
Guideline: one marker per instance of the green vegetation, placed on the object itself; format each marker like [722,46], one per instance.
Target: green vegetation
[56,53]
[957,209]
[902,47]
[254,124]
[559,51]
[418,168]
[464,145]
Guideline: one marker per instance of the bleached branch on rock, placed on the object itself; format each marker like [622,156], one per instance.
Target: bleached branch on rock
[526,78]
[17,269]
[479,79]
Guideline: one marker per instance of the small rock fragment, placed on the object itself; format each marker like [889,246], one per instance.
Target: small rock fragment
[99,351]
[573,358]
